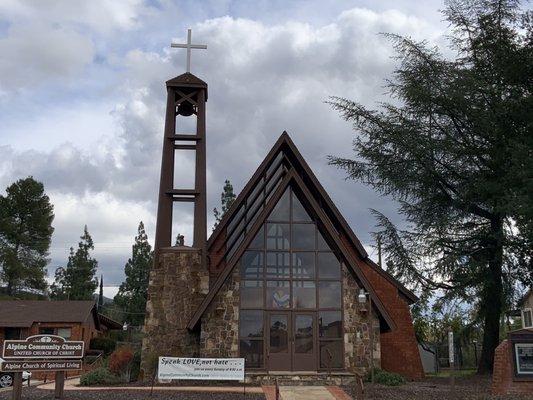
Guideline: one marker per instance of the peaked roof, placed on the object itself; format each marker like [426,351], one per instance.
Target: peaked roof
[285,144]
[23,313]
[187,80]
[324,210]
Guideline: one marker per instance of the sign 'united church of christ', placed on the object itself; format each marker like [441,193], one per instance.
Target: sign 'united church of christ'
[278,281]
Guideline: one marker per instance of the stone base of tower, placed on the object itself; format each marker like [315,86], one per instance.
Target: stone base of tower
[178,284]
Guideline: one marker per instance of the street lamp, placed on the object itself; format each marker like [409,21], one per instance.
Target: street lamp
[362,299]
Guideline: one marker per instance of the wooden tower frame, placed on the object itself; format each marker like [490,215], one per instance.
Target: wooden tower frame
[186,96]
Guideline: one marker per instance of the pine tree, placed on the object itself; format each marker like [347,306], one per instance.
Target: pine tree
[101,294]
[133,292]
[77,281]
[227,197]
[455,149]
[26,217]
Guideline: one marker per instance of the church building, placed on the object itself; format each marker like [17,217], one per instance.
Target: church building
[282,281]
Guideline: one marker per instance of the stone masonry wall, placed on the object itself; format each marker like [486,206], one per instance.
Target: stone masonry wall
[220,323]
[357,322]
[399,347]
[178,284]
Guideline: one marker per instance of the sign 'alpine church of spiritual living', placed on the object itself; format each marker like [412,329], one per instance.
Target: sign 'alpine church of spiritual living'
[279,281]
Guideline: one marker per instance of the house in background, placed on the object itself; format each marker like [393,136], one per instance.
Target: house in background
[73,320]
[526,309]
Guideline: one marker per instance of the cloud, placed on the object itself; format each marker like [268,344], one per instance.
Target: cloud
[31,55]
[263,79]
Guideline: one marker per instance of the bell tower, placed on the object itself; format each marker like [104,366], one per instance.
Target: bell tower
[186,97]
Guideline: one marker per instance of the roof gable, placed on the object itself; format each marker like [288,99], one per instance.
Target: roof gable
[285,153]
[241,230]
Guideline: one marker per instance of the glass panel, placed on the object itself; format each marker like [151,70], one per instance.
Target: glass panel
[331,354]
[304,294]
[527,318]
[282,209]
[259,240]
[328,266]
[234,246]
[303,334]
[252,352]
[279,334]
[278,265]
[303,265]
[251,324]
[46,331]
[330,324]
[64,332]
[252,294]
[235,218]
[303,236]
[252,264]
[11,333]
[322,245]
[329,294]
[278,294]
[298,211]
[278,236]
[257,188]
[275,163]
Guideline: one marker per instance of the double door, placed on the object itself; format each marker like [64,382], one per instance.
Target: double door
[292,341]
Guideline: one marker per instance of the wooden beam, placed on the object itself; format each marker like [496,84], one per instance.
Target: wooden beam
[184,147]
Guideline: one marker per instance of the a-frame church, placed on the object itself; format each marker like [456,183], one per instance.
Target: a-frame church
[282,282]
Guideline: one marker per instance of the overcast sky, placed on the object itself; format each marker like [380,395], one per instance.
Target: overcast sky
[82,100]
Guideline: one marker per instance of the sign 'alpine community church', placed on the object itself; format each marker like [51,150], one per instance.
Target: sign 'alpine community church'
[279,282]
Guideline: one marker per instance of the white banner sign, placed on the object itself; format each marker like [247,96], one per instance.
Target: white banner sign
[228,369]
[451,352]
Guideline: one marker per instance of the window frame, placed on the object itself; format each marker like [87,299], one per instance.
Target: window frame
[530,311]
[291,278]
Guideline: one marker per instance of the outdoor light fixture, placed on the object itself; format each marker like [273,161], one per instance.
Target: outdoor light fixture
[186,109]
[125,326]
[361,298]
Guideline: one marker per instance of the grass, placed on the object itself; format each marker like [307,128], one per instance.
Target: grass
[458,373]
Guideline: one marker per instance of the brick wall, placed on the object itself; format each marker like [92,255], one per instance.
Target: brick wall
[399,347]
[502,377]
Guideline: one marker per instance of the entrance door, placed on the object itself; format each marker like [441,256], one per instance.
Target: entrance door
[279,344]
[304,349]
[292,341]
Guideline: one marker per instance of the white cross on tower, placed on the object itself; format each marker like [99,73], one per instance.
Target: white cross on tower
[189,46]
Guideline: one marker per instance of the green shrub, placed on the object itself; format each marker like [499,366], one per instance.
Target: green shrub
[99,376]
[107,345]
[388,378]
[135,366]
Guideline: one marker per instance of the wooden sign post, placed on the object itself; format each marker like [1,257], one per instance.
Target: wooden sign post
[41,353]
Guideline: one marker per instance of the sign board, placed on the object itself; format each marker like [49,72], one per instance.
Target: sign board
[451,353]
[229,369]
[42,347]
[524,358]
[56,365]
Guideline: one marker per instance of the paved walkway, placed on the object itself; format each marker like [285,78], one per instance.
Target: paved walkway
[306,393]
[286,392]
[72,384]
